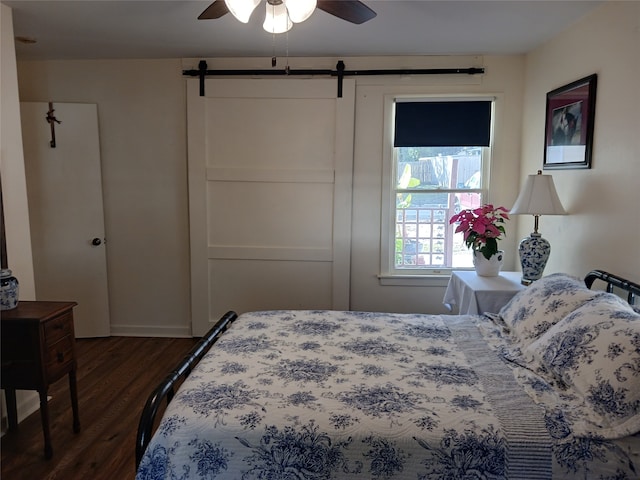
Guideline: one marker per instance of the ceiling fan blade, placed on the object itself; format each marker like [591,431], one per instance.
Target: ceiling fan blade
[216,10]
[352,11]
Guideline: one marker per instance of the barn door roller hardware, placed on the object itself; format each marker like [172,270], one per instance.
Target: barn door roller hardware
[202,72]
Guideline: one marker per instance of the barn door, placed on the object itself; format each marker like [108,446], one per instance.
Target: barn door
[270,171]
[64,190]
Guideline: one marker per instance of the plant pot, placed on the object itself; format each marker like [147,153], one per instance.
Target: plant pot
[490,267]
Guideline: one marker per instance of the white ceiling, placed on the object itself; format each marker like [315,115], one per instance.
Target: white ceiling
[87,29]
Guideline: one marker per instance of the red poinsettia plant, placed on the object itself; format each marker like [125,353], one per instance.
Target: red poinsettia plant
[482,228]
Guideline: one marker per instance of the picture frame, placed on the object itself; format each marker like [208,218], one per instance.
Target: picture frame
[569,122]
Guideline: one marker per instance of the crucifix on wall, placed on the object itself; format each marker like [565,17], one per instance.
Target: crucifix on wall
[52,122]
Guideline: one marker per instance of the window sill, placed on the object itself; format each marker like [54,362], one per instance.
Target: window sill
[436,280]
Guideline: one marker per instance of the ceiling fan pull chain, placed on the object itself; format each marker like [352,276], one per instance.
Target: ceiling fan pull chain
[286,68]
[273,47]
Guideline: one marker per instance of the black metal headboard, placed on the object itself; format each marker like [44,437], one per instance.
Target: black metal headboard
[614,281]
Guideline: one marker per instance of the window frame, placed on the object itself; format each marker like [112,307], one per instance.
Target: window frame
[389,274]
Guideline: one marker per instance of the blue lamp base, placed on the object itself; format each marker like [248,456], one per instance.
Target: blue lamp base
[534,252]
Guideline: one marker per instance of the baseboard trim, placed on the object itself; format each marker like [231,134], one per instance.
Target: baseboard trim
[147,331]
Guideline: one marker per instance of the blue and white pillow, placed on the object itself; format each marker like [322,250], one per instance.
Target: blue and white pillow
[594,353]
[532,311]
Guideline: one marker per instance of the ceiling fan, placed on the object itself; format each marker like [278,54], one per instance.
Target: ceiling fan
[352,11]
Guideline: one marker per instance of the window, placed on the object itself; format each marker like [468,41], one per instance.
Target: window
[439,154]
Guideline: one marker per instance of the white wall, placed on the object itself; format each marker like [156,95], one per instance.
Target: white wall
[14,187]
[603,228]
[141,109]
[142,125]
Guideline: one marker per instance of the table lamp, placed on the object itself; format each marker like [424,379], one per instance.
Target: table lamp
[538,197]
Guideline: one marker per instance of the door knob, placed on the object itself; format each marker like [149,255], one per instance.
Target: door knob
[96,241]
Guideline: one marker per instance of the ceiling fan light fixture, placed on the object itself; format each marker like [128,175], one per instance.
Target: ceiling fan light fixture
[300,10]
[242,9]
[276,19]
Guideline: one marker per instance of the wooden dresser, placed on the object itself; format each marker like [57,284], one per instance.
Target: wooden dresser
[38,348]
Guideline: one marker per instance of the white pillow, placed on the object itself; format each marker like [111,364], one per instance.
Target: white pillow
[595,353]
[545,302]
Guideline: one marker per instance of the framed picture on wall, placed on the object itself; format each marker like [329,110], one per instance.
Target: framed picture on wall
[569,120]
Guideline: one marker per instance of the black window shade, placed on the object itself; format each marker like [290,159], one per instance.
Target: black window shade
[443,124]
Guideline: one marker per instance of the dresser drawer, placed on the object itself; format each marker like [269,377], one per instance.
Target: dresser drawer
[59,357]
[57,328]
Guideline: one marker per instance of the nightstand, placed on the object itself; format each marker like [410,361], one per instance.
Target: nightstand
[38,348]
[474,294]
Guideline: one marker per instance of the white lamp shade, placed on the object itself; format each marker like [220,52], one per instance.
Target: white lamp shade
[242,9]
[277,20]
[300,10]
[538,197]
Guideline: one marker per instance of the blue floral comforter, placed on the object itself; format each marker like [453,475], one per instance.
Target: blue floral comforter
[350,395]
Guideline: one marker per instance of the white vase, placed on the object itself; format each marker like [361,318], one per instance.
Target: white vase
[490,267]
[8,290]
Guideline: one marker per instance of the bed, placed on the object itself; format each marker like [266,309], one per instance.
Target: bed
[548,387]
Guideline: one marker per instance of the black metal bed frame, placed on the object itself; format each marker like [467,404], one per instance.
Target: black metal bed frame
[614,281]
[166,389]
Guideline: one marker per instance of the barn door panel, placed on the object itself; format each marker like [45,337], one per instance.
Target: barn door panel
[270,166]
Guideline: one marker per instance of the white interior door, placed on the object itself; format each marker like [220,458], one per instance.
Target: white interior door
[270,178]
[64,189]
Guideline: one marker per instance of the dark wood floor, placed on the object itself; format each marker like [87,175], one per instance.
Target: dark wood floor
[115,376]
